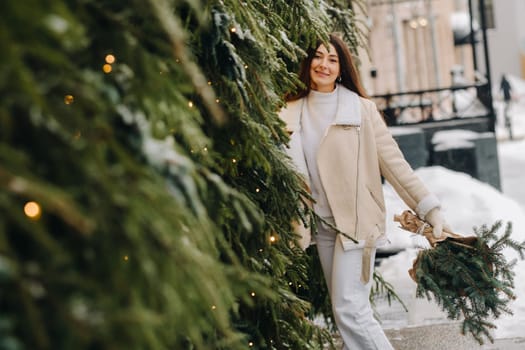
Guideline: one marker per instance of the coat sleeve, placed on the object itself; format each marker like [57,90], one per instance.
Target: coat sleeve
[396,169]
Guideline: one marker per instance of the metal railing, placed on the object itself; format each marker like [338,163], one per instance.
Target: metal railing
[438,104]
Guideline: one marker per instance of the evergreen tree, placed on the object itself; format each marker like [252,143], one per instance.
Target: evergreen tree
[146,200]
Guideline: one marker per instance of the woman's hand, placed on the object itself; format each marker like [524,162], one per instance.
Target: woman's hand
[435,218]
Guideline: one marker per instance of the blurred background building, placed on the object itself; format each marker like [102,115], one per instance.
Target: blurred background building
[507,39]
[424,44]
[435,65]
[428,60]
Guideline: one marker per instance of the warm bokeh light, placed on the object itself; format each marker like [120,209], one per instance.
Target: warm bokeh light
[32,210]
[272,239]
[107,68]
[110,59]
[190,104]
[69,99]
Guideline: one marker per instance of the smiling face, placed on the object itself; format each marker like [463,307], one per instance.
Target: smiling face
[324,69]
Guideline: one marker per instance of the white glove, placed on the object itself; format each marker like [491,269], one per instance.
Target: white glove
[435,219]
[420,241]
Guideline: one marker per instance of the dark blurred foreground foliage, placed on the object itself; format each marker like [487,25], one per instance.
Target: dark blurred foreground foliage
[145,198]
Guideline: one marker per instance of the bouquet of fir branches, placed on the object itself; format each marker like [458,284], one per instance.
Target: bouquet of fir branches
[468,276]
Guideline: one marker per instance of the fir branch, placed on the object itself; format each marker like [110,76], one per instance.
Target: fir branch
[470,279]
[383,288]
[175,31]
[346,235]
[53,199]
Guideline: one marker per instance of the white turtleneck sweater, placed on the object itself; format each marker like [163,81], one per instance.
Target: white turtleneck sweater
[317,115]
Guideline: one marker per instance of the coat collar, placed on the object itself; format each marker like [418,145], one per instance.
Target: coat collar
[348,110]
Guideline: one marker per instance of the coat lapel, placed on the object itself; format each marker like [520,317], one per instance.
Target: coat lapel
[291,115]
[348,107]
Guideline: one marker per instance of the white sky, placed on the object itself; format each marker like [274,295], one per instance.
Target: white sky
[466,203]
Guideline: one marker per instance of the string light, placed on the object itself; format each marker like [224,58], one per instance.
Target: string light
[252,294]
[69,99]
[107,68]
[126,258]
[110,59]
[422,21]
[209,82]
[32,210]
[272,239]
[257,190]
[213,307]
[234,160]
[250,344]
[233,29]
[217,100]
[205,149]
[190,104]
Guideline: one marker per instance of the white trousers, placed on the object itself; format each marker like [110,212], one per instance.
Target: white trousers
[350,297]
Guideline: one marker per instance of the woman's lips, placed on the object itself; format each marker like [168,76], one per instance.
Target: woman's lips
[322,74]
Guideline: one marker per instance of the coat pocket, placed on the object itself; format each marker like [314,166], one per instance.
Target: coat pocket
[378,202]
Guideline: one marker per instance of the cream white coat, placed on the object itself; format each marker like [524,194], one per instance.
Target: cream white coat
[356,150]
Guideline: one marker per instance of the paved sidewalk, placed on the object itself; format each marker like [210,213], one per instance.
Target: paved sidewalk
[444,336]
[428,328]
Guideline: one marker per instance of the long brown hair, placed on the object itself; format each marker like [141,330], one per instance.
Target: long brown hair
[349,74]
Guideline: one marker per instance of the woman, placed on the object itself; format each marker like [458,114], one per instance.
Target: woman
[342,147]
